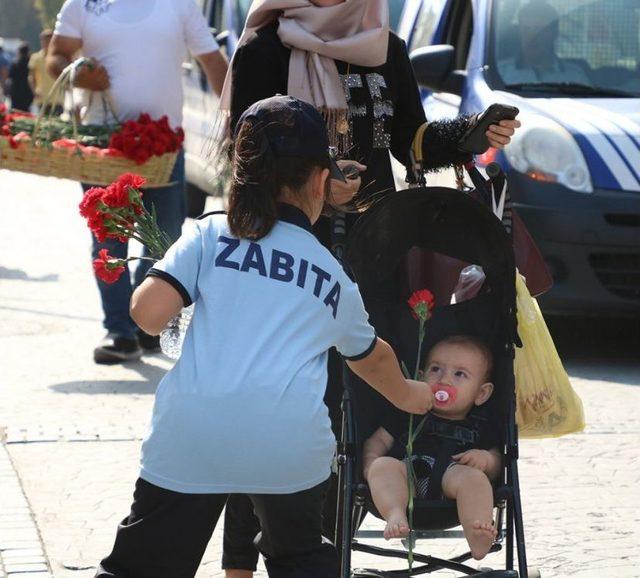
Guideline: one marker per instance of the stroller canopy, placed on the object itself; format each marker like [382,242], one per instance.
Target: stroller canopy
[443,220]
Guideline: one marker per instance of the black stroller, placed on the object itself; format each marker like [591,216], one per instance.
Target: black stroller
[382,245]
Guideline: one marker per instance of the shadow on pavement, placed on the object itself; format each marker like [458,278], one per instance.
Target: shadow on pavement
[152,374]
[49,313]
[599,349]
[22,276]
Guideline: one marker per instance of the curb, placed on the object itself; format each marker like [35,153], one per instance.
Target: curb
[22,552]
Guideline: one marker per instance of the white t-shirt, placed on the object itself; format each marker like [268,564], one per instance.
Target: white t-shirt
[142,44]
[242,410]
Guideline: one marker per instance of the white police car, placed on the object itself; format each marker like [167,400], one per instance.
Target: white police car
[572,67]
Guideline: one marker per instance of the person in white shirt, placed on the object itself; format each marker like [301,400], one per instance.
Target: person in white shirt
[242,410]
[136,48]
[536,60]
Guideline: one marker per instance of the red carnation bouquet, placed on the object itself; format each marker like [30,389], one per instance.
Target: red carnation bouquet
[117,212]
[61,146]
[141,139]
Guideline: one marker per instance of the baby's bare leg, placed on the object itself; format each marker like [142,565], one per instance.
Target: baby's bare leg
[387,478]
[471,489]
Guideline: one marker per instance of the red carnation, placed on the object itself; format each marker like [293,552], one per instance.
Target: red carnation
[141,139]
[421,304]
[89,203]
[124,192]
[97,225]
[131,180]
[108,268]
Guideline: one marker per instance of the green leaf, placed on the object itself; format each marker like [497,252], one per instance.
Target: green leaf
[418,429]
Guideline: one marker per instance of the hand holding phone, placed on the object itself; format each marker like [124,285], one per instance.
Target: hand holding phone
[475,139]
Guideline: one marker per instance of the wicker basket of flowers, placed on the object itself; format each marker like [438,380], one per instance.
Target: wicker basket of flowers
[98,154]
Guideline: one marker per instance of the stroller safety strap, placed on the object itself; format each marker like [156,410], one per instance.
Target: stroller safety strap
[416,157]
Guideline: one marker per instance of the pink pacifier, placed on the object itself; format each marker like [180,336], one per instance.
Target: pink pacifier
[444,394]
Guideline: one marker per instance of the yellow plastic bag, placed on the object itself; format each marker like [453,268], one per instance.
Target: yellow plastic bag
[546,404]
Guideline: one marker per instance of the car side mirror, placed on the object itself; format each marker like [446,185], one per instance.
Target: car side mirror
[434,69]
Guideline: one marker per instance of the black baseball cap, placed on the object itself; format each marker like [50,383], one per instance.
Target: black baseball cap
[292,128]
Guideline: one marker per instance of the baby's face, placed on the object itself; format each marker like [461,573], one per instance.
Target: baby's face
[460,370]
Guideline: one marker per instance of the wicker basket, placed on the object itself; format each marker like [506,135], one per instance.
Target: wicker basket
[87,168]
[72,163]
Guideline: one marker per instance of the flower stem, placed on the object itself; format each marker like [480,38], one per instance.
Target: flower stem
[410,471]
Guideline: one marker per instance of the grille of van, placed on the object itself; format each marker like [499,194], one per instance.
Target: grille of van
[619,273]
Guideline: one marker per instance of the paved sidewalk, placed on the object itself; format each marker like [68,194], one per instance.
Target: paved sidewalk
[71,430]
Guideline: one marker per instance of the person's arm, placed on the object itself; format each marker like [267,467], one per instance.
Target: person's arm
[154,303]
[171,284]
[375,447]
[440,141]
[408,110]
[215,66]
[32,76]
[60,54]
[441,137]
[381,370]
[201,44]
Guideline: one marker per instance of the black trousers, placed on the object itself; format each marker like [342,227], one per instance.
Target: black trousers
[166,534]
[240,521]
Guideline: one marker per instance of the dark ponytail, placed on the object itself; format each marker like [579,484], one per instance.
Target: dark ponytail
[258,179]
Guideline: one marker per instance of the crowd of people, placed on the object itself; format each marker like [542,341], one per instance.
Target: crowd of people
[24,80]
[278,325]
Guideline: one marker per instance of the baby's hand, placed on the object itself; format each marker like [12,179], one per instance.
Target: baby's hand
[478,459]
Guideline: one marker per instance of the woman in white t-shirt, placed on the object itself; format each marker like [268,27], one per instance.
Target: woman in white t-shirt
[242,410]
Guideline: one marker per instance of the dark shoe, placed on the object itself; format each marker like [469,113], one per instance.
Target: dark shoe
[149,343]
[116,349]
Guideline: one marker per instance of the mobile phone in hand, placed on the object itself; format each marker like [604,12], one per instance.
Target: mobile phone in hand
[475,140]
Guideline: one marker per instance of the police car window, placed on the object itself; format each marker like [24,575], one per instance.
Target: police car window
[581,42]
[215,17]
[395,11]
[458,30]
[426,24]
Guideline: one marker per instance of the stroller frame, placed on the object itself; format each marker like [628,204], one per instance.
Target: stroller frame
[352,509]
[352,495]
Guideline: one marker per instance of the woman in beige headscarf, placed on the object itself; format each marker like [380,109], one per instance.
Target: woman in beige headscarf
[341,56]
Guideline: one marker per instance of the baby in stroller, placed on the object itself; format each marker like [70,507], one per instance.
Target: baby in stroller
[455,455]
